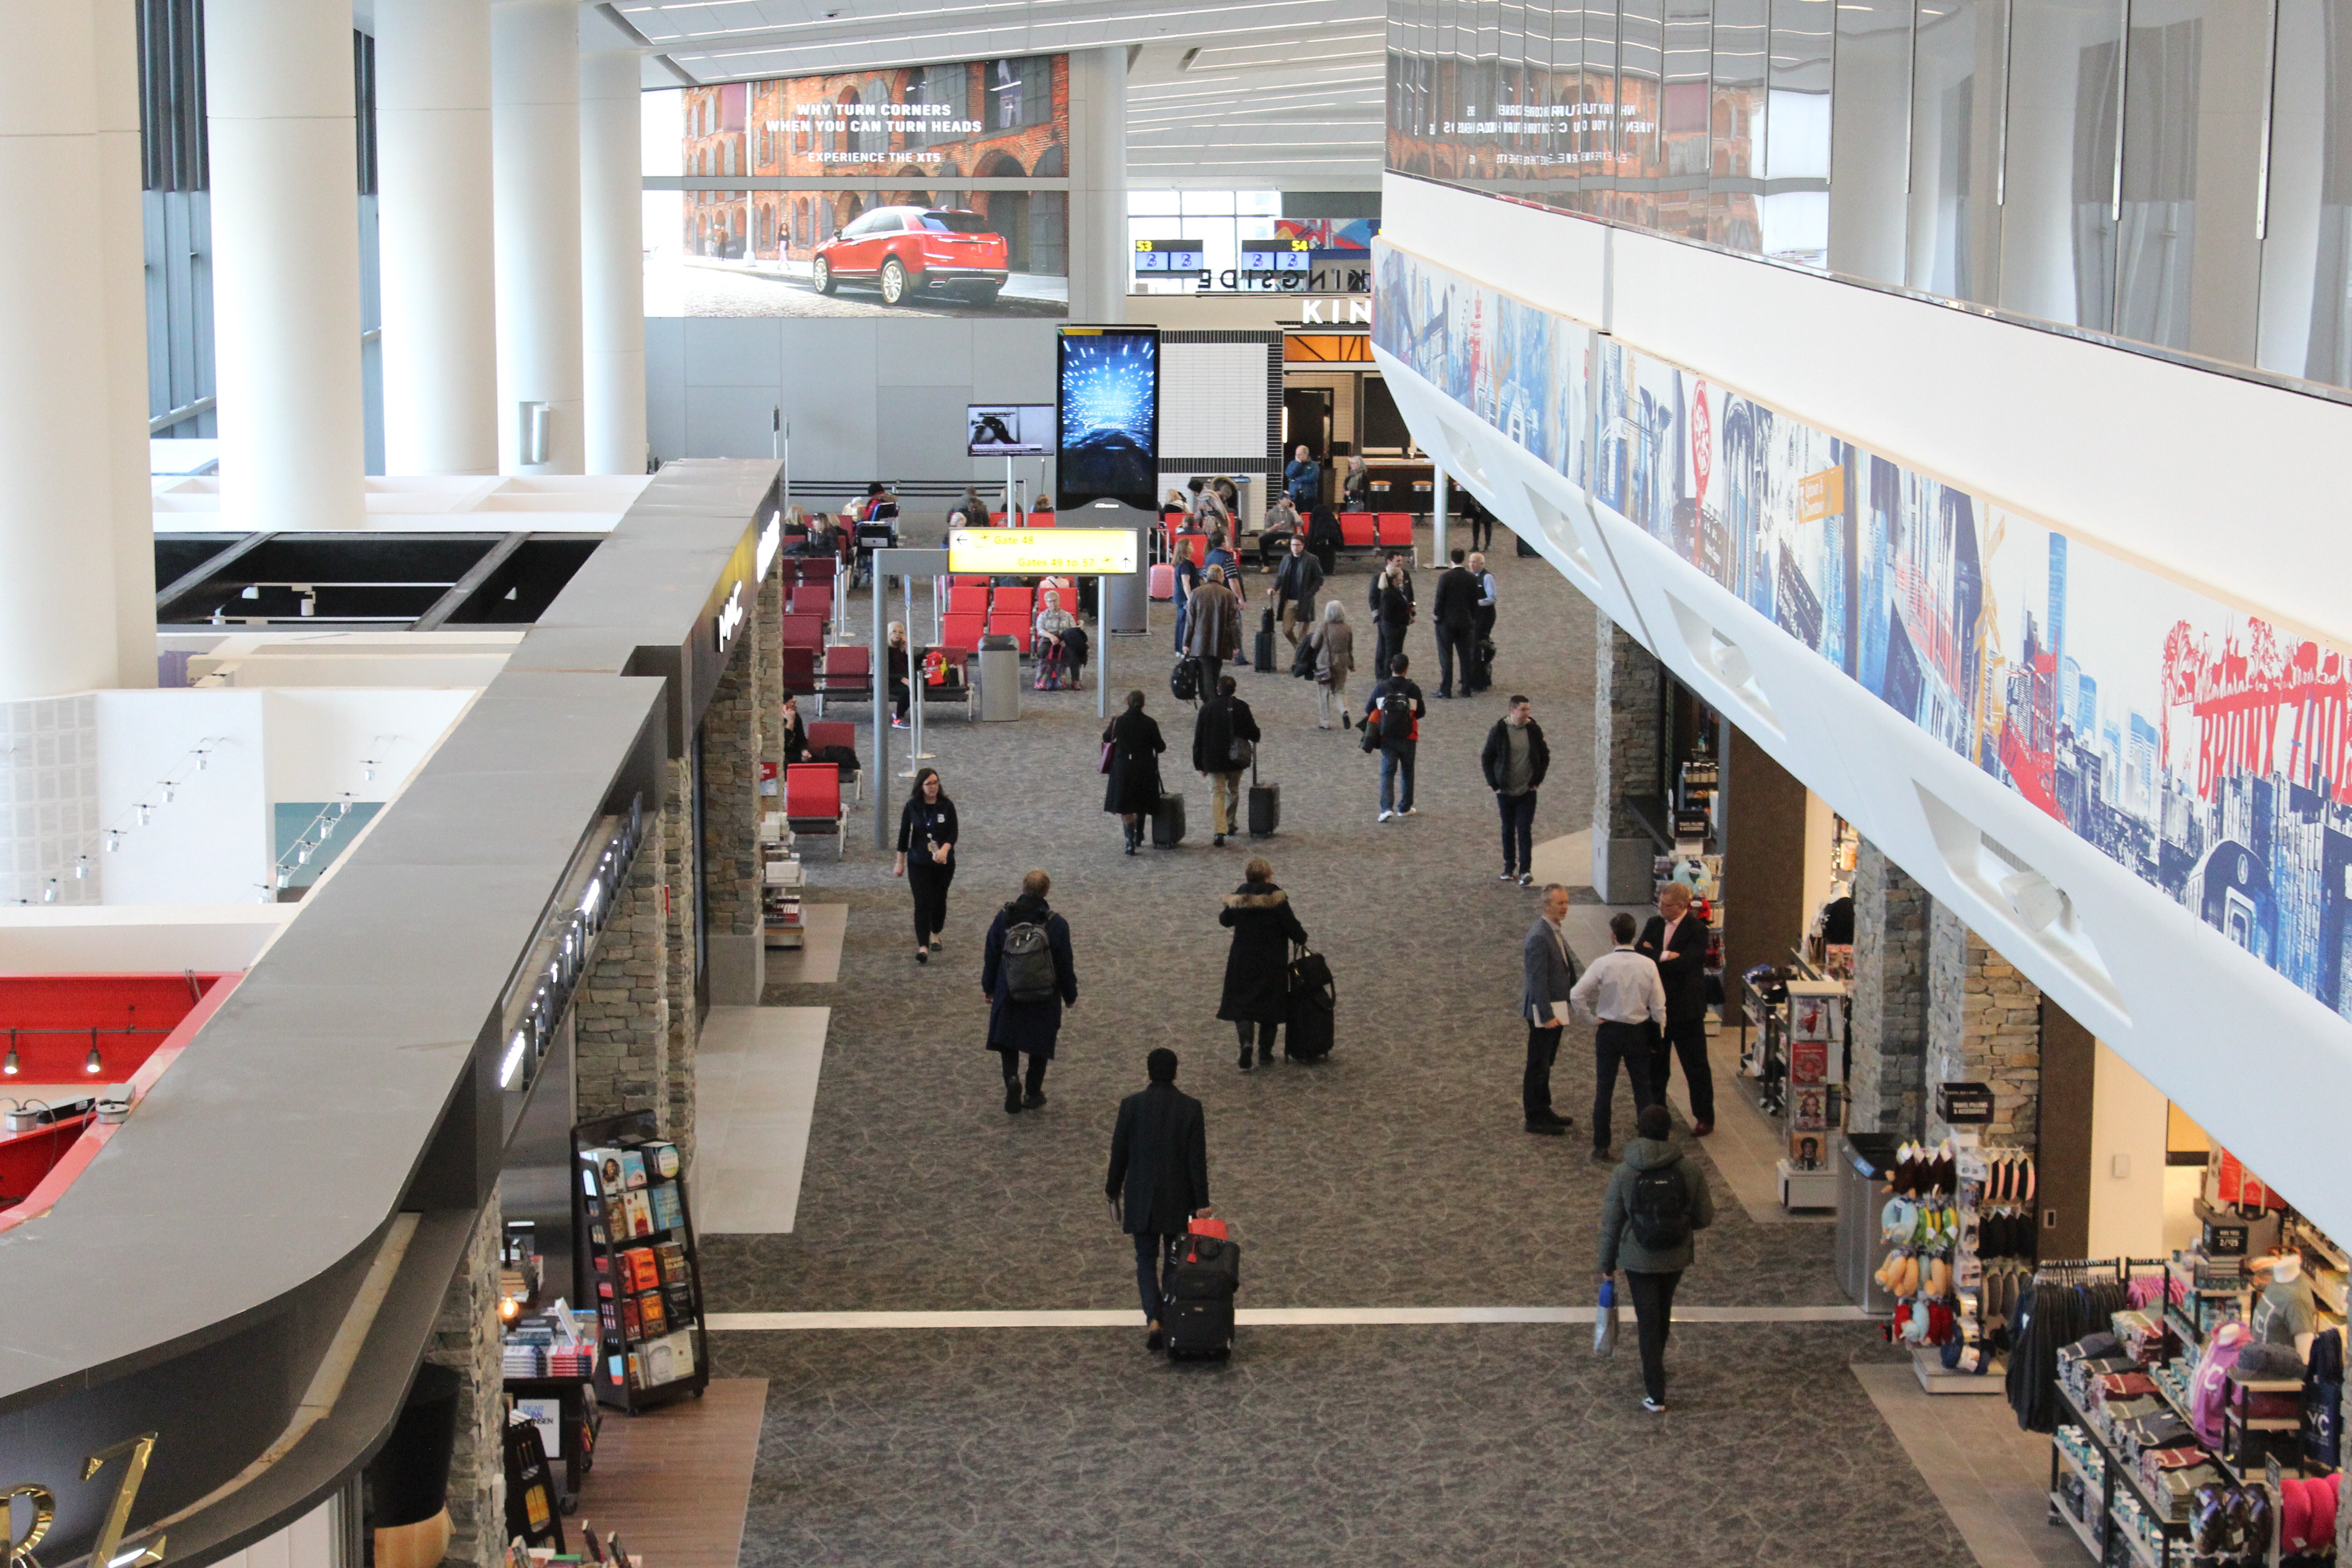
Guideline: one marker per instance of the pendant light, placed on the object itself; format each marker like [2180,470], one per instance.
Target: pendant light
[9,1066]
[90,1064]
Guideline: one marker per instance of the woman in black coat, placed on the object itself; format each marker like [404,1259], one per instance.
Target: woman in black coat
[1031,1028]
[927,836]
[1257,968]
[1133,790]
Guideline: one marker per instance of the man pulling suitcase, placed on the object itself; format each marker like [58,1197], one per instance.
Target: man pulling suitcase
[1158,1184]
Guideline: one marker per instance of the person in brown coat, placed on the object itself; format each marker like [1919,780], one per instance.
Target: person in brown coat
[1213,628]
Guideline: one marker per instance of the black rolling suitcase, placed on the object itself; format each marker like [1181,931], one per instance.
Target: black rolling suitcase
[1262,653]
[1168,821]
[1309,1032]
[1265,805]
[1198,1316]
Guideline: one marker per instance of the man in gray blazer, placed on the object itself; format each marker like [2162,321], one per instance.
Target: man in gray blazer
[1551,974]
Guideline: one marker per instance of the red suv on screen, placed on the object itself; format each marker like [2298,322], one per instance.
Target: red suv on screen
[909,250]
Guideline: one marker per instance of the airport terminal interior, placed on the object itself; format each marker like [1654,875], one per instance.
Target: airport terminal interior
[1355,781]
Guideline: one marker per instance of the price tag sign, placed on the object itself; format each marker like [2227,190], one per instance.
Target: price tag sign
[1041,552]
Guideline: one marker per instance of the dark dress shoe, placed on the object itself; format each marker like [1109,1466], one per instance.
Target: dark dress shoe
[1011,1101]
[1703,1129]
[1033,1099]
[1155,1340]
[1557,1120]
[1547,1129]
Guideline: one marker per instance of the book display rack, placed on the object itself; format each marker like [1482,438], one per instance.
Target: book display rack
[640,1265]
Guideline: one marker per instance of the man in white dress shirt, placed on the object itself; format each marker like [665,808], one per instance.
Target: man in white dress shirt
[1622,992]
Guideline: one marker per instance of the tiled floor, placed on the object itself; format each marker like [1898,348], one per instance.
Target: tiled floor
[755,1089]
[1992,1479]
[824,927]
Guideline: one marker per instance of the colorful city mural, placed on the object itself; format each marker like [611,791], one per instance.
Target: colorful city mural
[2204,749]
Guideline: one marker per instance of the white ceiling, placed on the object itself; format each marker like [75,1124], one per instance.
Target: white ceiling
[1269,94]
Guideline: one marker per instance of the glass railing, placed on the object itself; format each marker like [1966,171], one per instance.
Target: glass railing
[2172,175]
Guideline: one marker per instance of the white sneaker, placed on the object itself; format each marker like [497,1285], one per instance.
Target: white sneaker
[1409,811]
[1386,815]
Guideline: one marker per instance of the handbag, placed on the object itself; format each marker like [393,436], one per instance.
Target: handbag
[1241,753]
[1103,767]
[1196,1225]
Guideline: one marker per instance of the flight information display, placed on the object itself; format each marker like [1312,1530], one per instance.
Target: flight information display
[1170,256]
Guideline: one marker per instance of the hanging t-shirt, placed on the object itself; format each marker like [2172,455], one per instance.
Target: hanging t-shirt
[2286,1313]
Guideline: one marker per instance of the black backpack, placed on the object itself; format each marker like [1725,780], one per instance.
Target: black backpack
[1396,715]
[1027,962]
[1661,1206]
[1184,680]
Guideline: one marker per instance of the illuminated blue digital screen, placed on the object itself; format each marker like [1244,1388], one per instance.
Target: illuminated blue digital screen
[1109,416]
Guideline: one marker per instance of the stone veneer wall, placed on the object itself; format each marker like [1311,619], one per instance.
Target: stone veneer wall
[1890,997]
[1625,708]
[466,1338]
[768,675]
[1984,1025]
[677,952]
[621,1013]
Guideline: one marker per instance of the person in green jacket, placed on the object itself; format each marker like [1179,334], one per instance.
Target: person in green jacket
[1657,1201]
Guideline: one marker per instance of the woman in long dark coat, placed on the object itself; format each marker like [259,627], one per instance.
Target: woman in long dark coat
[1133,788]
[1016,1029]
[1257,968]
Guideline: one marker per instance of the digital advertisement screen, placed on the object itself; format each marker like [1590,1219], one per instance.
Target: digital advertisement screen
[1010,429]
[1109,390]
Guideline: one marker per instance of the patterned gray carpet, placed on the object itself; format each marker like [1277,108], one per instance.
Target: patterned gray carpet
[1396,1173]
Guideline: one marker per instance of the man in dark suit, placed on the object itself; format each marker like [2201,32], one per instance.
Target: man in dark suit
[1455,614]
[1550,972]
[1158,1177]
[1676,941]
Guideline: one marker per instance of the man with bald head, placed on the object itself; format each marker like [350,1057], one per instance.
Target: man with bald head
[1676,941]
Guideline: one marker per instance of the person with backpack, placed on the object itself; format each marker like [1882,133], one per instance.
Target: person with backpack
[1159,1180]
[1393,722]
[927,836]
[1657,1201]
[1622,990]
[1131,748]
[1027,975]
[1514,760]
[1257,965]
[1224,744]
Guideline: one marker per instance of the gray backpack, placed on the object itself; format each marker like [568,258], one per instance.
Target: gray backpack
[1026,963]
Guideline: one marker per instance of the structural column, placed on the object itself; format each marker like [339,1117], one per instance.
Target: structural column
[1984,1025]
[468,1340]
[122,263]
[286,264]
[57,602]
[1890,996]
[681,1045]
[1098,162]
[730,836]
[1626,711]
[1763,861]
[535,120]
[612,247]
[433,217]
[620,1017]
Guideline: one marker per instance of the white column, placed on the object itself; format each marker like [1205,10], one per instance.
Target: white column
[612,247]
[56,516]
[122,265]
[535,117]
[286,264]
[434,219]
[1098,244]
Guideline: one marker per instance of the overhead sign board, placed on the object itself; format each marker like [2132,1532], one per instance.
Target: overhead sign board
[1040,552]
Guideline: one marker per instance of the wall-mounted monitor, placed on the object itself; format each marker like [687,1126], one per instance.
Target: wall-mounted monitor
[1010,429]
[1109,389]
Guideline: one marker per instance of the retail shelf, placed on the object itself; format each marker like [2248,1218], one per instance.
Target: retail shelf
[2059,1509]
[2066,1457]
[2128,1476]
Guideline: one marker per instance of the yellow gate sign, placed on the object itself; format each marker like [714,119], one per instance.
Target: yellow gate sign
[1041,552]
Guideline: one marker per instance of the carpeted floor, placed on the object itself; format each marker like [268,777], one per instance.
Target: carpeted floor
[1397,1174]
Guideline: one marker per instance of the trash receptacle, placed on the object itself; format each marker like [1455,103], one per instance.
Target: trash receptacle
[1863,1158]
[1000,676]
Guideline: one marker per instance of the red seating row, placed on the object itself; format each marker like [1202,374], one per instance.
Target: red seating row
[1376,531]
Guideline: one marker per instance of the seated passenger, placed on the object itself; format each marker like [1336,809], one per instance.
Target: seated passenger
[1051,625]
